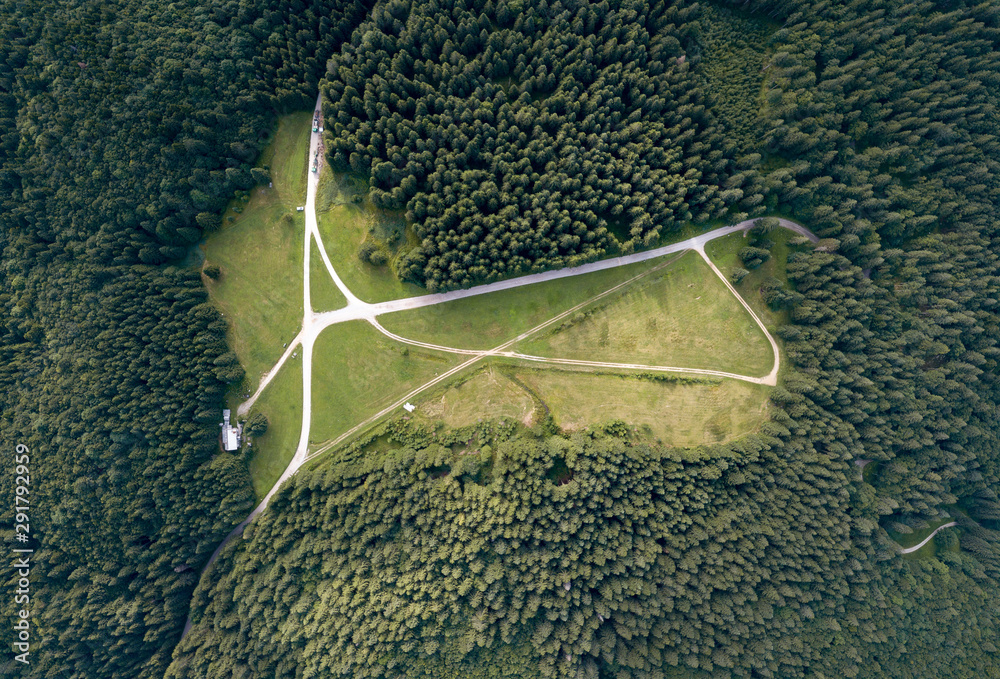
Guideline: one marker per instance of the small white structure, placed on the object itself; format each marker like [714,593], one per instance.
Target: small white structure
[409,407]
[230,434]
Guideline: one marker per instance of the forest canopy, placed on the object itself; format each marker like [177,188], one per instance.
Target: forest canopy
[558,555]
[513,136]
[124,128]
[521,137]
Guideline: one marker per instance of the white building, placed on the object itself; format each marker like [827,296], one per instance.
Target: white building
[230,434]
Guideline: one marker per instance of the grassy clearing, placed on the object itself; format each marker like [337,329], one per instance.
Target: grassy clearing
[487,394]
[346,219]
[357,371]
[260,253]
[287,156]
[281,403]
[674,413]
[681,315]
[724,253]
[907,540]
[343,228]
[260,290]
[324,295]
[486,321]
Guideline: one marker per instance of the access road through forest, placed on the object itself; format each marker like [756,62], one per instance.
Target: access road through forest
[909,550]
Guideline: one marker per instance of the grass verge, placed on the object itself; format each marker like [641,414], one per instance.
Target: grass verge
[281,403]
[324,295]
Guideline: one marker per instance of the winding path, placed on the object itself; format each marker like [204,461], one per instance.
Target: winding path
[908,550]
[356,309]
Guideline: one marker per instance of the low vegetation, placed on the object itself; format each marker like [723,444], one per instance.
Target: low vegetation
[324,295]
[486,321]
[281,404]
[681,315]
[486,394]
[667,410]
[345,225]
[753,286]
[258,249]
[357,371]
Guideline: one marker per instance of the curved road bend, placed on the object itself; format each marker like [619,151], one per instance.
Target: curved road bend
[356,309]
[927,539]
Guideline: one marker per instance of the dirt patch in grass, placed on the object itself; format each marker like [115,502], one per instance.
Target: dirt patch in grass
[485,395]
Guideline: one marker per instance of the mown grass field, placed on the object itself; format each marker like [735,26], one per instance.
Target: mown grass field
[681,315]
[487,394]
[281,403]
[486,321]
[674,413]
[324,295]
[260,253]
[358,371]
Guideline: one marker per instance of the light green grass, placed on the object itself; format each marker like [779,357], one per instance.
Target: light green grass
[724,253]
[287,156]
[260,290]
[681,315]
[487,394]
[281,403]
[324,295]
[358,371]
[486,321]
[674,413]
[907,540]
[260,253]
[343,228]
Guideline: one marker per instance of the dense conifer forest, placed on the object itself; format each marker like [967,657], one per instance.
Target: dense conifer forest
[515,136]
[125,127]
